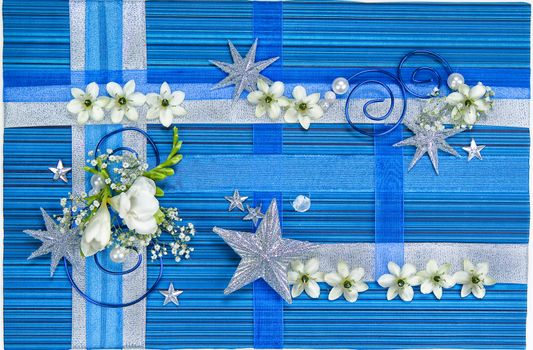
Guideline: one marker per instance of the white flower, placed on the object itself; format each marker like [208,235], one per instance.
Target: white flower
[165,105]
[474,279]
[97,234]
[434,278]
[268,100]
[346,282]
[138,206]
[123,101]
[86,104]
[305,277]
[304,108]
[469,103]
[400,281]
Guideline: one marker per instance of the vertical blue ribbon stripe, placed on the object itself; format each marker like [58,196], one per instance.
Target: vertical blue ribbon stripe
[389,232]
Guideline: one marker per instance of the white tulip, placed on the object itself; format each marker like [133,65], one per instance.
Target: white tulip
[434,278]
[124,101]
[268,100]
[165,105]
[346,282]
[138,205]
[305,277]
[469,103]
[304,108]
[86,104]
[474,278]
[97,234]
[400,281]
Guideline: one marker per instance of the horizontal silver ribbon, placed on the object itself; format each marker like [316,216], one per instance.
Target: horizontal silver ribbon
[506,112]
[507,262]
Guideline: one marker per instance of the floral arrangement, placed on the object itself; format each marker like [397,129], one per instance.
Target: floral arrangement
[122,209]
[399,281]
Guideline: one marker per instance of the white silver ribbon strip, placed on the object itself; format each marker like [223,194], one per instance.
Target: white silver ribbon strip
[507,112]
[77,34]
[133,35]
[507,262]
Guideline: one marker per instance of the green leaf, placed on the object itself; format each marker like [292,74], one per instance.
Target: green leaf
[159,216]
[159,192]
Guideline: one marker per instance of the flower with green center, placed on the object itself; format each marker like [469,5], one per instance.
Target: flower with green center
[268,100]
[86,104]
[346,282]
[468,104]
[474,278]
[123,101]
[400,281]
[166,105]
[304,108]
[434,278]
[305,277]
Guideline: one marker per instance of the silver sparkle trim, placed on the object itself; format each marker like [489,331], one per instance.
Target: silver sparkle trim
[235,201]
[58,244]
[264,254]
[171,295]
[77,34]
[60,172]
[430,142]
[254,214]
[243,73]
[474,150]
[133,35]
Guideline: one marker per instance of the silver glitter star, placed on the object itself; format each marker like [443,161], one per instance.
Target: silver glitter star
[171,295]
[474,150]
[254,214]
[235,201]
[243,73]
[427,141]
[59,244]
[60,172]
[264,254]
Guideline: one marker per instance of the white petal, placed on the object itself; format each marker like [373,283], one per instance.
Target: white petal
[394,268]
[413,280]
[292,277]
[77,93]
[437,291]
[426,287]
[465,291]
[483,268]
[462,277]
[447,281]
[178,111]
[335,293]
[274,111]
[153,99]
[407,293]
[305,122]
[318,276]
[297,265]
[83,116]
[343,269]
[350,295]
[332,278]
[482,105]
[129,88]
[177,98]
[254,96]
[132,114]
[361,286]
[117,115]
[262,86]
[291,116]
[311,266]
[97,113]
[102,101]
[387,280]
[479,291]
[137,99]
[489,281]
[468,266]
[477,92]
[312,99]
[152,113]
[432,267]
[283,101]
[408,270]
[297,289]
[113,89]
[299,92]
[74,106]
[164,90]
[392,292]
[470,116]
[315,112]
[357,274]
[277,89]
[464,89]
[165,117]
[312,289]
[93,90]
[444,268]
[455,98]
[260,110]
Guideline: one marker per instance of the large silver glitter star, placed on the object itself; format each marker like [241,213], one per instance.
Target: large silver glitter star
[60,172]
[235,201]
[59,244]
[474,150]
[254,214]
[264,254]
[171,295]
[427,141]
[243,73]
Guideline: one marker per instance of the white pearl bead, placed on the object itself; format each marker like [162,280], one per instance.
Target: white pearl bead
[97,182]
[324,105]
[340,86]
[330,97]
[301,204]
[118,254]
[454,80]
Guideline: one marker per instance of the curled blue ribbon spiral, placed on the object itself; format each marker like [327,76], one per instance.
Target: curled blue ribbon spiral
[397,79]
[139,261]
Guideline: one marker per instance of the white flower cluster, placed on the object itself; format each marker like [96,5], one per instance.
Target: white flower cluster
[269,100]
[399,282]
[124,101]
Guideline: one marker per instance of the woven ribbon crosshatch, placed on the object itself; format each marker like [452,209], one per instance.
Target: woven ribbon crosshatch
[264,174]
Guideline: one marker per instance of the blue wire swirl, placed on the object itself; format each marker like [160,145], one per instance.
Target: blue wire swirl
[139,261]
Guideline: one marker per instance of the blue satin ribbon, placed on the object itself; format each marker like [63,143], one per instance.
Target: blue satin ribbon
[389,230]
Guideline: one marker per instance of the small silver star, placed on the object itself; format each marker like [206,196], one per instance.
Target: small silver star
[243,73]
[264,254]
[171,295]
[254,214]
[428,141]
[474,150]
[235,201]
[59,244]
[60,172]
